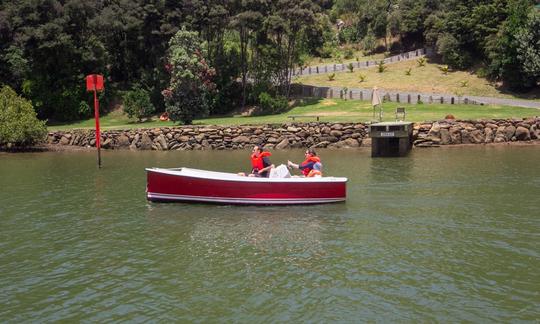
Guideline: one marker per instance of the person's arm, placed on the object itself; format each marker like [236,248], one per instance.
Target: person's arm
[271,166]
[294,165]
[266,161]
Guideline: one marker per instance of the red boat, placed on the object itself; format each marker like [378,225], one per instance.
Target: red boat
[185,184]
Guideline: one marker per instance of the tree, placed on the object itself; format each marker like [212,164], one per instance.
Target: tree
[190,78]
[245,22]
[137,104]
[528,46]
[503,50]
[19,125]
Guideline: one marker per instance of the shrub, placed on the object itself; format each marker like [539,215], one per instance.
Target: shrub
[408,71]
[272,106]
[381,67]
[137,104]
[19,125]
[421,61]
[331,77]
[369,42]
[349,53]
[444,69]
[464,83]
[362,77]
[350,67]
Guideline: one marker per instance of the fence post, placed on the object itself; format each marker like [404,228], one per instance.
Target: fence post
[350,94]
[466,101]
[367,63]
[361,95]
[317,69]
[334,68]
[326,68]
[409,98]
[452,100]
[397,97]
[418,99]
[442,99]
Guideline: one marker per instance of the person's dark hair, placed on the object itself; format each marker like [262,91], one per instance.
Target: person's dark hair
[311,152]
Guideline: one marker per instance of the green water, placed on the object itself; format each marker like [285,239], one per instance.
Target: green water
[444,235]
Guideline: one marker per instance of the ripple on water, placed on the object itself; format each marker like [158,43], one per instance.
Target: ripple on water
[447,235]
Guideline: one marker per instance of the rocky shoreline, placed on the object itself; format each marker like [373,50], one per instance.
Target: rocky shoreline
[299,135]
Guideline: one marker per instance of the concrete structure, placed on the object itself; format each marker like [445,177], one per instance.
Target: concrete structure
[391,138]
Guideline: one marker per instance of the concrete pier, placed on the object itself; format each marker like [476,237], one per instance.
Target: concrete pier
[391,139]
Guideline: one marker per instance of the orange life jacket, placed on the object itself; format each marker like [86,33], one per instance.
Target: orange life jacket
[313,159]
[257,160]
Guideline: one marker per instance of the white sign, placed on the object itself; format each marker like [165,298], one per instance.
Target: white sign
[387,134]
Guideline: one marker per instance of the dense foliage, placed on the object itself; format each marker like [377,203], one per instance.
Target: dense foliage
[19,125]
[137,104]
[48,46]
[190,78]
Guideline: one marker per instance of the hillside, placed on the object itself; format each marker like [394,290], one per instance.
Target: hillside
[425,79]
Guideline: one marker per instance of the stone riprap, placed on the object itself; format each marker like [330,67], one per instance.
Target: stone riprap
[447,132]
[298,135]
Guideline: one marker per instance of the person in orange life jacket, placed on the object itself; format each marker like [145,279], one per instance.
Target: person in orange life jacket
[260,162]
[311,166]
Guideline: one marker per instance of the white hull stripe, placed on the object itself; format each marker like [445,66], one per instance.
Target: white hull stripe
[262,201]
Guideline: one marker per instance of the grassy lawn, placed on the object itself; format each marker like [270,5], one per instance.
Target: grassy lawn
[330,110]
[426,79]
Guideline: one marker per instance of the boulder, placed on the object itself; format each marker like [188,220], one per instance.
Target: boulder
[240,139]
[162,142]
[477,137]
[283,144]
[336,133]
[292,129]
[490,136]
[509,132]
[321,144]
[535,132]
[366,142]
[445,136]
[107,143]
[455,135]
[350,142]
[465,137]
[523,134]
[122,141]
[64,140]
[146,142]
[435,130]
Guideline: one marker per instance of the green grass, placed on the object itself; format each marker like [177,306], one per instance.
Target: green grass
[330,110]
[426,79]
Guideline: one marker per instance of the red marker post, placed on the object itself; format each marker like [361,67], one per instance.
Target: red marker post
[94,82]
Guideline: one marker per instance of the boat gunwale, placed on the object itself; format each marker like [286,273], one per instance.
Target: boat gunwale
[225,176]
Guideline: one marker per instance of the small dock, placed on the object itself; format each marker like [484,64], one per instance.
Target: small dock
[391,139]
